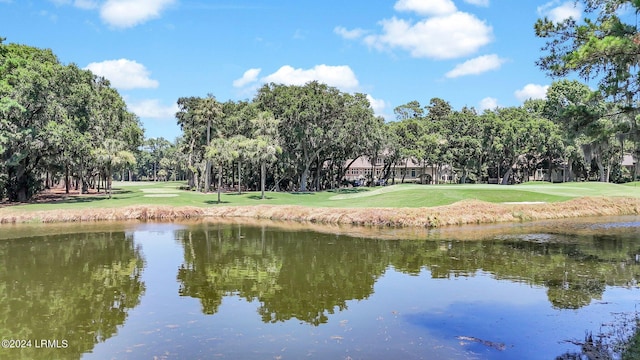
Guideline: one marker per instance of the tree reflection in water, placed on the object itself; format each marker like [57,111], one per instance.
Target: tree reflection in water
[300,275]
[77,288]
[308,275]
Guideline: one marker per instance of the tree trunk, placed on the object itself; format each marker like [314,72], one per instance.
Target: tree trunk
[83,185]
[196,180]
[393,182]
[108,183]
[318,176]
[601,171]
[263,178]
[66,178]
[207,176]
[219,182]
[190,166]
[22,194]
[276,179]
[505,179]
[303,179]
[239,177]
[404,172]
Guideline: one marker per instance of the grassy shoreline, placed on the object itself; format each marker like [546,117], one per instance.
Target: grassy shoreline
[458,213]
[423,206]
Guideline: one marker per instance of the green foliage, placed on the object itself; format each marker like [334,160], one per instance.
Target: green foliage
[605,49]
[51,117]
[318,123]
[90,285]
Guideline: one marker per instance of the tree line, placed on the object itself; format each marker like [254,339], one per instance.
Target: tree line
[314,132]
[59,123]
[578,132]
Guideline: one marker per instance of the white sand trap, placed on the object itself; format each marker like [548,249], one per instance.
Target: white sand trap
[161,195]
[159,191]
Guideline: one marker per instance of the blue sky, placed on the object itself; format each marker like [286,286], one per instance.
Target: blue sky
[478,53]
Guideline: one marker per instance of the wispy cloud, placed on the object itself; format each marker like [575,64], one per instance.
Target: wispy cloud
[249,76]
[429,7]
[483,3]
[129,13]
[153,109]
[557,11]
[477,66]
[349,34]
[121,14]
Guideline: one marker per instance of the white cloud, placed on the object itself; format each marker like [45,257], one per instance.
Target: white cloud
[153,109]
[121,13]
[426,7]
[442,37]
[558,12]
[476,66]
[484,3]
[349,34]
[532,91]
[378,106]
[248,77]
[340,76]
[488,103]
[85,4]
[124,74]
[129,13]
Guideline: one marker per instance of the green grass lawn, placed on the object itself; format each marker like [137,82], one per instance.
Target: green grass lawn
[404,195]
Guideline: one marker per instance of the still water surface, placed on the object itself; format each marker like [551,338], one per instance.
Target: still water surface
[231,291]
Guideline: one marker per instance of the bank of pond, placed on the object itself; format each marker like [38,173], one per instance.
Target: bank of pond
[263,289]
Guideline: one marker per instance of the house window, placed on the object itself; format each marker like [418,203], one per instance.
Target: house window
[413,173]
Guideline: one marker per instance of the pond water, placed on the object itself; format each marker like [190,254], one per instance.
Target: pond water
[274,291]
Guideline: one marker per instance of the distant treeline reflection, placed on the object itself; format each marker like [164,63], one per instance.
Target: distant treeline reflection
[308,275]
[78,288]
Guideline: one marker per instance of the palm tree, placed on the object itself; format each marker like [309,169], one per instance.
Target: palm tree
[265,148]
[219,152]
[266,152]
[209,110]
[111,156]
[242,148]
